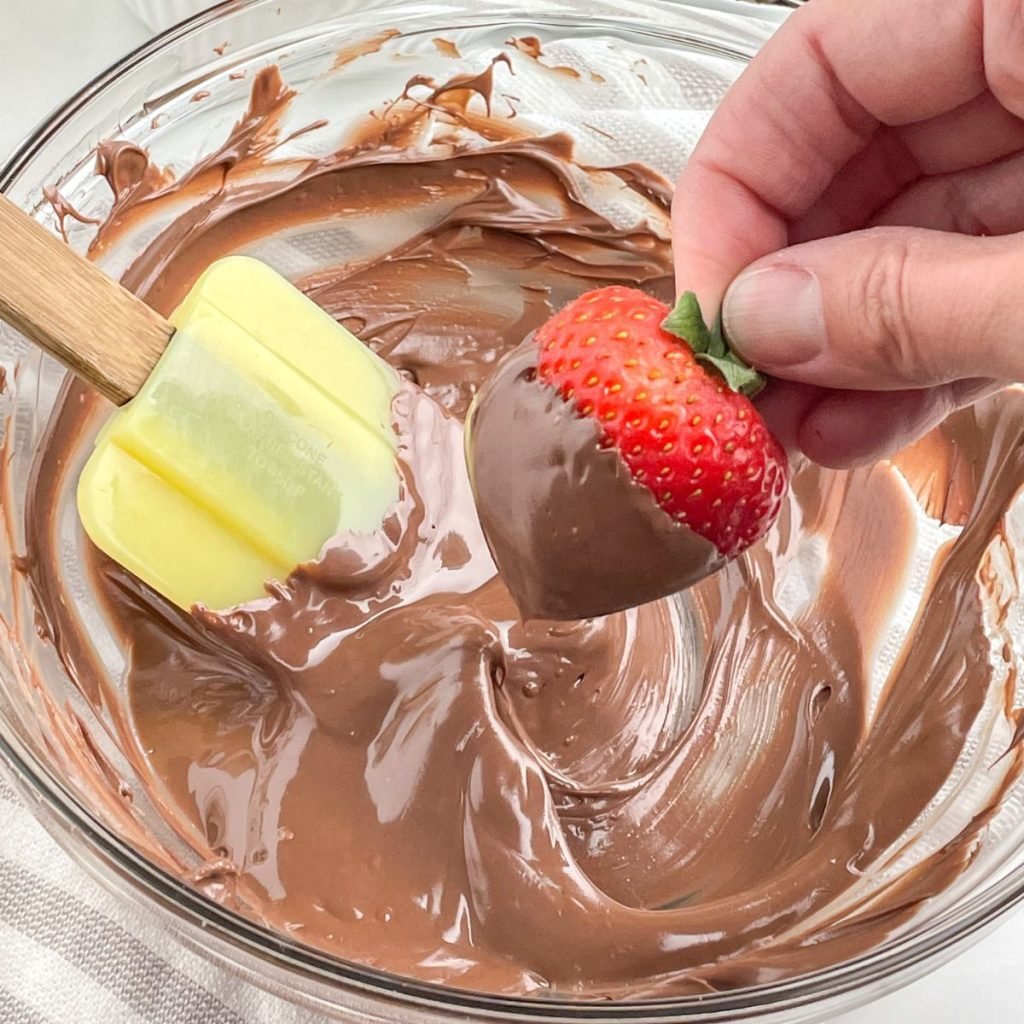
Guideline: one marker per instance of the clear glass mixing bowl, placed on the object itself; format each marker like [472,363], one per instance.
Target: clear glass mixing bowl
[87,800]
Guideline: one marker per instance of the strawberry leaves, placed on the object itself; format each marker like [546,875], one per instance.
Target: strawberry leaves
[709,346]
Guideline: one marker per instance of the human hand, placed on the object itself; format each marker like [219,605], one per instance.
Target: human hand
[868,172]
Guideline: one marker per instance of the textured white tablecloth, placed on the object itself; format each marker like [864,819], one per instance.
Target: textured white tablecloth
[69,951]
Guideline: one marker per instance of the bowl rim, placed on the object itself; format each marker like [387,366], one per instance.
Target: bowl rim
[46,794]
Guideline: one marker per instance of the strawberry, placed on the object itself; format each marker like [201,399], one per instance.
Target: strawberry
[673,400]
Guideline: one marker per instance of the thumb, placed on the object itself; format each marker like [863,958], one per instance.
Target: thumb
[883,309]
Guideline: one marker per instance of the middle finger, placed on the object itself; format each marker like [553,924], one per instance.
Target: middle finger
[973,135]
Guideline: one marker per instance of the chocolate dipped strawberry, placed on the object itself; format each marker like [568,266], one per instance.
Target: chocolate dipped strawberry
[616,457]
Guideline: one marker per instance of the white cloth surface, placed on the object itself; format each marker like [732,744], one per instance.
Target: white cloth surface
[72,952]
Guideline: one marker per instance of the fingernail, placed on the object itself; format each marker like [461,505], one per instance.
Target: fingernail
[775,317]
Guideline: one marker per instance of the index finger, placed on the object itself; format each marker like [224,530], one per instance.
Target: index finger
[809,102]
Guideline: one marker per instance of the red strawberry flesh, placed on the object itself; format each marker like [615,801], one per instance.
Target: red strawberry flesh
[700,447]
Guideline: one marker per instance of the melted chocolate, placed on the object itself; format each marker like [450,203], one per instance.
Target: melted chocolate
[381,760]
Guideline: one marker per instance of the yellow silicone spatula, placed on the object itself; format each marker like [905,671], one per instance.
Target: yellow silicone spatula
[253,428]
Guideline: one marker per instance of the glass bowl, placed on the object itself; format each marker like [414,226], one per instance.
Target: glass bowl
[56,742]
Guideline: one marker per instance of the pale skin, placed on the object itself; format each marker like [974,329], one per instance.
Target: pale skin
[857,203]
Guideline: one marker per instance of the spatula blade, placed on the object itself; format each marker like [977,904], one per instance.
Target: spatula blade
[264,430]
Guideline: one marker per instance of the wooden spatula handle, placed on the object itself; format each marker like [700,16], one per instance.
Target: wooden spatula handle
[70,308]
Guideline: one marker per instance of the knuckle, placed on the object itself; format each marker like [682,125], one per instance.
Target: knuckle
[883,298]
[963,209]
